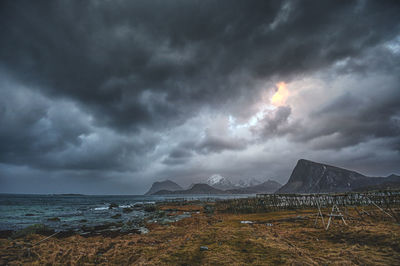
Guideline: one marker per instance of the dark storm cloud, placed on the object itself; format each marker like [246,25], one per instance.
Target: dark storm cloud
[153,63]
[367,110]
[29,128]
[275,124]
[120,88]
[209,144]
[355,119]
[379,58]
[179,155]
[215,144]
[44,133]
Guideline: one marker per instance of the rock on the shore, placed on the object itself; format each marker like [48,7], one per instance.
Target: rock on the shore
[127,210]
[150,208]
[113,205]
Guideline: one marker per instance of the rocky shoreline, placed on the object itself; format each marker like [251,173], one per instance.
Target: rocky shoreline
[119,227]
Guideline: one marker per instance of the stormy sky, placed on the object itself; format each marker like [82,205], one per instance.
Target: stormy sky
[106,97]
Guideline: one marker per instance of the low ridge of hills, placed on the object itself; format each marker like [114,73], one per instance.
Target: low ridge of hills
[167,185]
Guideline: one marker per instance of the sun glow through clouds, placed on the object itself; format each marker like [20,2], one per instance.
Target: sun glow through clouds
[280,97]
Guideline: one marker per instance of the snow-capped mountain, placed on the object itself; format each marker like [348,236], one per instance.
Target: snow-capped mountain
[249,182]
[225,183]
[220,182]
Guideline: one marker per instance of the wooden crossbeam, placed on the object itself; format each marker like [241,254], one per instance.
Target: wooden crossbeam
[319,214]
[338,214]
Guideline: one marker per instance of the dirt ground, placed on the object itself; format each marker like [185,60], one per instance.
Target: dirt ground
[284,237]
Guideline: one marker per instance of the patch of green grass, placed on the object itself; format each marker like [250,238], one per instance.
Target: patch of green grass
[33,229]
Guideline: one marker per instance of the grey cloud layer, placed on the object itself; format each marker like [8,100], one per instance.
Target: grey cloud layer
[368,109]
[100,86]
[207,145]
[54,134]
[141,63]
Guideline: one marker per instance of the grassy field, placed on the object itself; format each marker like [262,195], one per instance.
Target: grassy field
[284,237]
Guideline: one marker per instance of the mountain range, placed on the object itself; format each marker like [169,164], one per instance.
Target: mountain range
[195,189]
[306,177]
[269,186]
[220,182]
[216,184]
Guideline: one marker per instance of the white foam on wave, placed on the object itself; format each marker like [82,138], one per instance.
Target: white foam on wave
[100,208]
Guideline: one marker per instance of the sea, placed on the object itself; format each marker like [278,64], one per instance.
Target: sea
[18,211]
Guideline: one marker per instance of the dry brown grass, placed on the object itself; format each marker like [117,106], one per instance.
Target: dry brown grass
[374,241]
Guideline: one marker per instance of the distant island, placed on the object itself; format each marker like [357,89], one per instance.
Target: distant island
[70,194]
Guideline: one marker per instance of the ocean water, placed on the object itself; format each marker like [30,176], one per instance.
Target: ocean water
[20,210]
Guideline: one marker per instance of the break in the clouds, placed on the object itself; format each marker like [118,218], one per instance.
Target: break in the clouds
[109,96]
